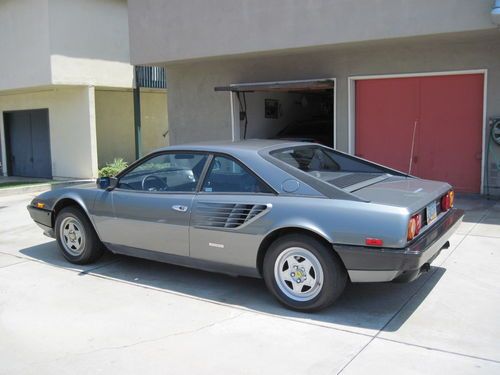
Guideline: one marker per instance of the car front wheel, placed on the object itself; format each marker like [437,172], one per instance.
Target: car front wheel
[76,236]
[303,273]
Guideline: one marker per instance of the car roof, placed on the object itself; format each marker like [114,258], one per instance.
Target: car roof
[234,147]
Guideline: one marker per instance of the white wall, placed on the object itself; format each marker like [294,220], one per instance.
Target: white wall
[89,43]
[61,42]
[72,127]
[261,127]
[24,44]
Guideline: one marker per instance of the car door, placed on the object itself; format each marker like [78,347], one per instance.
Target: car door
[152,203]
[229,214]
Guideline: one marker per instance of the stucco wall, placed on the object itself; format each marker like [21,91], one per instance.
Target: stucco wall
[175,30]
[197,112]
[71,126]
[89,43]
[77,42]
[24,44]
[115,123]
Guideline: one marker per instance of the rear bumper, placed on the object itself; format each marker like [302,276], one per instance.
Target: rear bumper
[43,218]
[368,264]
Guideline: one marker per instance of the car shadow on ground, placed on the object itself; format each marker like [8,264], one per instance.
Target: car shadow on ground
[363,307]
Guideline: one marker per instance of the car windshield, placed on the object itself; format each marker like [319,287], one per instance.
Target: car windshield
[328,165]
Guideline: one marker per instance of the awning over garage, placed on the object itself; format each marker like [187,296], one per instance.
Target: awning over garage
[303,85]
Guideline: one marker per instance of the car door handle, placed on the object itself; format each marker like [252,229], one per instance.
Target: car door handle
[178,207]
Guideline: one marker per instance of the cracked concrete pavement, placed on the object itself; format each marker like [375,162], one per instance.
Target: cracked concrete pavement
[126,315]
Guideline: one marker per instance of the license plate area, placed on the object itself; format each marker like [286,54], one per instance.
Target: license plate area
[431,212]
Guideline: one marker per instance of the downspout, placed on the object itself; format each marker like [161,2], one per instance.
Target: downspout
[137,114]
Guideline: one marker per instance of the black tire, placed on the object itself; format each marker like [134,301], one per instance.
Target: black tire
[91,249]
[334,273]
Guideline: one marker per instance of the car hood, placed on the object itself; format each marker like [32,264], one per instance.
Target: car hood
[408,192]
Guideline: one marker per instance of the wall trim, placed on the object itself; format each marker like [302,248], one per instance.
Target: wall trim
[351,103]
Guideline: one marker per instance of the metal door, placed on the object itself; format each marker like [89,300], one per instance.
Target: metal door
[28,143]
[430,126]
[40,143]
[150,221]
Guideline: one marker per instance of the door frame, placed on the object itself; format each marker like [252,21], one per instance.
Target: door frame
[351,100]
[235,129]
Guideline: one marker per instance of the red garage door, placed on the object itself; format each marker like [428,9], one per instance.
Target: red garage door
[440,116]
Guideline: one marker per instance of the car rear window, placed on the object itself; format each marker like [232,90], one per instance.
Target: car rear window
[328,165]
[322,159]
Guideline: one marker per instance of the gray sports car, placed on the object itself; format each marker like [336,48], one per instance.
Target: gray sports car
[302,216]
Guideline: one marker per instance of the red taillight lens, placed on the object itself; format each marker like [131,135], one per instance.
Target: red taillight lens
[374,241]
[447,200]
[412,229]
[418,220]
[414,226]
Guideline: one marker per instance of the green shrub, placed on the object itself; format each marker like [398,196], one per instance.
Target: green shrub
[112,169]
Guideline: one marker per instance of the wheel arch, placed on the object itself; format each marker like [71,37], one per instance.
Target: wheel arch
[69,201]
[275,234]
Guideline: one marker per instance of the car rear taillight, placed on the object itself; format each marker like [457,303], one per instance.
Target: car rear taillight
[414,226]
[447,200]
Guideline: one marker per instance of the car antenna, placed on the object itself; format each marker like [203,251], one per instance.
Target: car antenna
[412,145]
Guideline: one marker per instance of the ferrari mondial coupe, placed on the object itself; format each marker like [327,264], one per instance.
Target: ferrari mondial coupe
[304,217]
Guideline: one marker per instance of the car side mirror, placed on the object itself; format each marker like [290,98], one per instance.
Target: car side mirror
[107,183]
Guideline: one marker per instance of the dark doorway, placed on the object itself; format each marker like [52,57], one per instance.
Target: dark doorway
[301,110]
[28,143]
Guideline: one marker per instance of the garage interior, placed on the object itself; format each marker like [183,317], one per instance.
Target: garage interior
[292,110]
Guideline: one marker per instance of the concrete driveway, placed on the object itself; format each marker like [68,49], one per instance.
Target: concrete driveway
[129,316]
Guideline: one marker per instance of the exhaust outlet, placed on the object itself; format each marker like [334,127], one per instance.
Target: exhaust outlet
[425,267]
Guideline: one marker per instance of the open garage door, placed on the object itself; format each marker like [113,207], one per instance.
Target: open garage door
[295,110]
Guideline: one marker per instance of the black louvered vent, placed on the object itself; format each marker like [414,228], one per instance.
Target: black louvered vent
[226,215]
[352,179]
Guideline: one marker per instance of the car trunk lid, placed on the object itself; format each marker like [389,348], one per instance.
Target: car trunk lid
[411,193]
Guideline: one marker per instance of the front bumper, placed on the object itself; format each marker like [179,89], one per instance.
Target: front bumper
[43,218]
[368,264]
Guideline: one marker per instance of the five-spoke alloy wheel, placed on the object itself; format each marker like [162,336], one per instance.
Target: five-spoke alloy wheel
[298,273]
[76,236]
[72,236]
[303,273]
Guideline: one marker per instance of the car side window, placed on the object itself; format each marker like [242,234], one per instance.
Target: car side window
[169,172]
[229,176]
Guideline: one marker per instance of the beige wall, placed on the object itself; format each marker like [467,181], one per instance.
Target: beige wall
[177,30]
[115,123]
[71,125]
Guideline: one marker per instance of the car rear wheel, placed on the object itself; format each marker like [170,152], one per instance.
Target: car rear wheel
[76,237]
[303,273]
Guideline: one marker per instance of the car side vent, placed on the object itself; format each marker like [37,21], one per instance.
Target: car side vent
[226,215]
